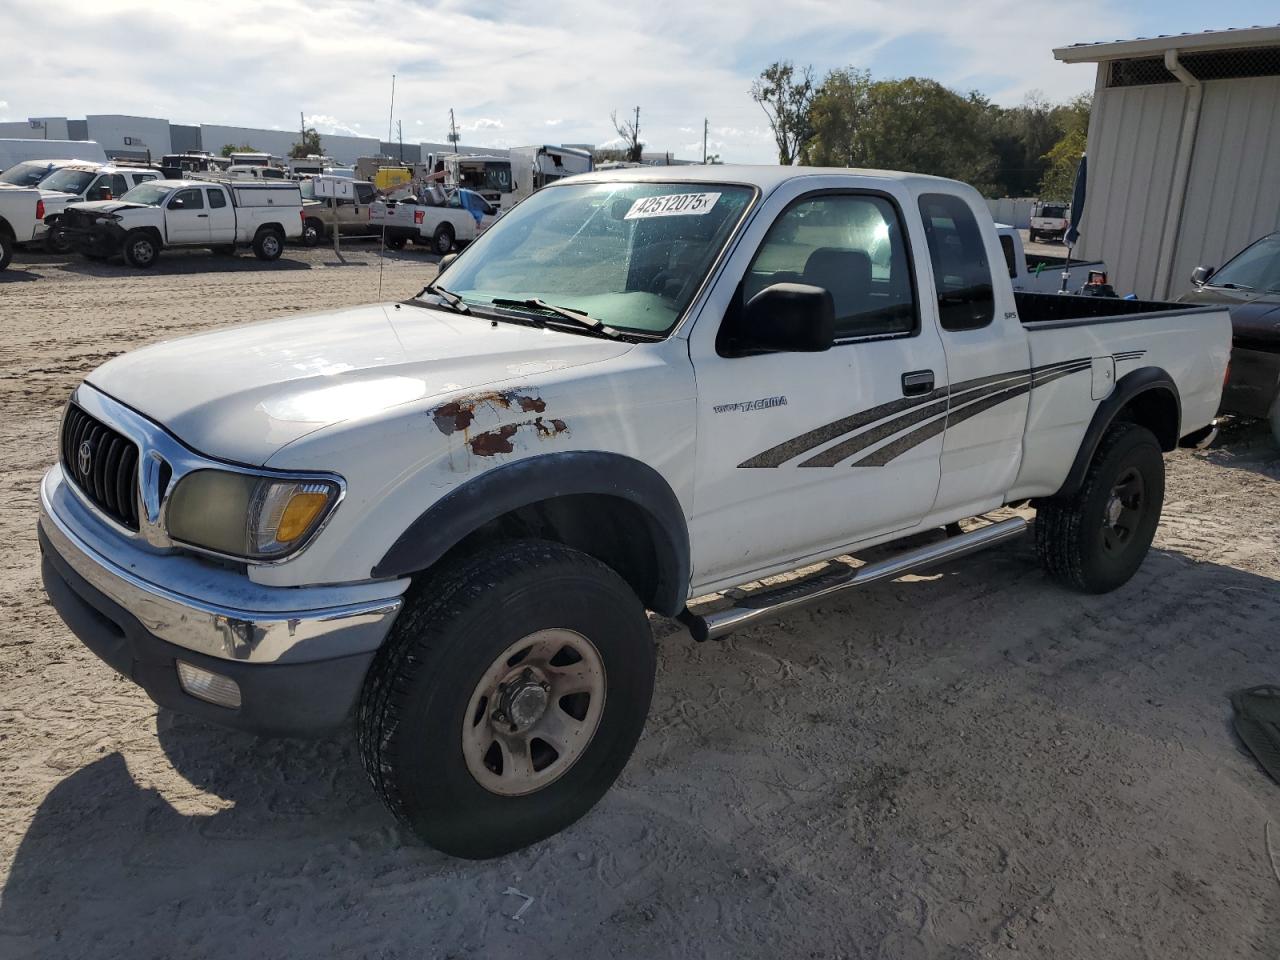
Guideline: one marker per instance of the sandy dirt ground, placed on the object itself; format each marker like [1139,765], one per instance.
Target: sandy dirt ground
[971,763]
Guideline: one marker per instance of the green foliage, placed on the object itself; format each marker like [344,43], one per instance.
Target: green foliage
[308,146]
[919,125]
[229,148]
[786,97]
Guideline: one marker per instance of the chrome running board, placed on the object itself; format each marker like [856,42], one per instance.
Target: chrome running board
[766,604]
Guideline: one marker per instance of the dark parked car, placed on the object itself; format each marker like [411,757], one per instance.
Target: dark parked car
[1249,285]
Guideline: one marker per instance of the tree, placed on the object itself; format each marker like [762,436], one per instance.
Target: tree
[839,107]
[229,148]
[786,96]
[629,132]
[309,146]
[1064,156]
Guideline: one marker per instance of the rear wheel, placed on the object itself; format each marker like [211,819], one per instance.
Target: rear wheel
[140,250]
[396,242]
[508,698]
[312,231]
[1274,417]
[442,239]
[1095,540]
[268,244]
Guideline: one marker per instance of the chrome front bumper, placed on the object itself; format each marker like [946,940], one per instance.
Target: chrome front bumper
[214,611]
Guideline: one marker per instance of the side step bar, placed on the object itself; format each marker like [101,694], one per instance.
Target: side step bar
[761,606]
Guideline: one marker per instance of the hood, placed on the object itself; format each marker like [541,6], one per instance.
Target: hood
[243,393]
[105,206]
[1255,316]
[57,196]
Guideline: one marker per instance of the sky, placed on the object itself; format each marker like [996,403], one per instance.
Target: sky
[518,72]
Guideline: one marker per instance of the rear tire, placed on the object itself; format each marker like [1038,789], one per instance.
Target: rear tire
[1095,540]
[442,239]
[140,250]
[268,244]
[1274,417]
[312,232]
[396,242]
[477,650]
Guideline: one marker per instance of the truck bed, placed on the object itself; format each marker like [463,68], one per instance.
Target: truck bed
[1040,310]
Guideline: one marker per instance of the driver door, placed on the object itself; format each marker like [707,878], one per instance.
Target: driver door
[186,219]
[802,454]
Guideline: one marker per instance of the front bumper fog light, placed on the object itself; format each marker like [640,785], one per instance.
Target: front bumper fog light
[208,685]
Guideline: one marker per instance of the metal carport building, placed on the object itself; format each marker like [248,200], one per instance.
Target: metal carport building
[1184,153]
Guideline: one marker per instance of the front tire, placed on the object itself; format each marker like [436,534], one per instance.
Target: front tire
[312,232]
[268,244]
[57,241]
[140,250]
[396,242]
[6,245]
[508,698]
[1095,540]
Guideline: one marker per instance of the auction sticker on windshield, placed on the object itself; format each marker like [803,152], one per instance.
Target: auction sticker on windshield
[673,205]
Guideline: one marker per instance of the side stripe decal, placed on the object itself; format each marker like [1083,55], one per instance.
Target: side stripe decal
[949,404]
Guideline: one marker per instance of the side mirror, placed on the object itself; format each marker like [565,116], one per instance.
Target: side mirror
[177,203]
[445,262]
[787,318]
[1200,275]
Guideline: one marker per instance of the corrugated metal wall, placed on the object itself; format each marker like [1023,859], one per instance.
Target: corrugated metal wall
[1133,139]
[1233,196]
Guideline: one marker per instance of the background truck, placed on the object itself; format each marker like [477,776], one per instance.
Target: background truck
[533,168]
[1038,272]
[187,213]
[73,183]
[348,216]
[443,520]
[21,209]
[491,177]
[1049,221]
[438,226]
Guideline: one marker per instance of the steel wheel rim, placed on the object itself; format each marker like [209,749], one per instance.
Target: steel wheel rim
[270,245]
[534,711]
[142,251]
[1124,509]
[443,242]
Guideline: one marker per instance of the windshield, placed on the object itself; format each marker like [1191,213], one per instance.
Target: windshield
[68,180]
[631,255]
[149,194]
[1256,267]
[27,173]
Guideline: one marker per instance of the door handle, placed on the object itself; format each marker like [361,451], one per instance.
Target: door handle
[202,216]
[917,382]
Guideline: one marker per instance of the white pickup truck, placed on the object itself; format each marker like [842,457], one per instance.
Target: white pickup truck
[78,182]
[1040,273]
[21,209]
[443,520]
[1049,221]
[438,226]
[187,213]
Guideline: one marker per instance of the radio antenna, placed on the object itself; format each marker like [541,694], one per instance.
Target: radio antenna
[382,241]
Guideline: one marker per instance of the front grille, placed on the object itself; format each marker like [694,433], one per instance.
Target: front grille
[102,464]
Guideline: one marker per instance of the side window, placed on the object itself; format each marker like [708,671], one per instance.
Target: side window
[187,200]
[966,300]
[95,190]
[217,199]
[851,245]
[1010,258]
[119,185]
[364,193]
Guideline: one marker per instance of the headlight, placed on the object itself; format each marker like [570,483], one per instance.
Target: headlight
[243,515]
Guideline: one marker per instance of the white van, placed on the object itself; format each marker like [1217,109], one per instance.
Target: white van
[16,151]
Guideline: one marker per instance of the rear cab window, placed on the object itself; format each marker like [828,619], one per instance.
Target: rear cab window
[957,252]
[217,199]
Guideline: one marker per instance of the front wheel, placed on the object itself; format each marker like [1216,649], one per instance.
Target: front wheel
[508,698]
[6,246]
[1274,416]
[396,242]
[57,241]
[141,250]
[312,232]
[1095,540]
[268,245]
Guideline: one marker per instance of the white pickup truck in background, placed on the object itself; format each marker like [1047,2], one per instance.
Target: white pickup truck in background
[441,521]
[1049,221]
[187,213]
[77,182]
[21,209]
[1041,273]
[438,226]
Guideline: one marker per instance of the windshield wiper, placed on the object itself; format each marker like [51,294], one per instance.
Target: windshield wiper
[575,316]
[1229,286]
[451,299]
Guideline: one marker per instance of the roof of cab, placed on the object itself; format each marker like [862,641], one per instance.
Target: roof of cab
[766,177]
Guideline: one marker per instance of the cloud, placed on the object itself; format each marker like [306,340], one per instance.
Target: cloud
[575,61]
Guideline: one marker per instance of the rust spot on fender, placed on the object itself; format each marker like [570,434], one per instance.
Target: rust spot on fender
[549,428]
[493,442]
[458,414]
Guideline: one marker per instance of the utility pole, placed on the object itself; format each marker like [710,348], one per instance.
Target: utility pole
[400,137]
[705,126]
[393,107]
[453,130]
[639,149]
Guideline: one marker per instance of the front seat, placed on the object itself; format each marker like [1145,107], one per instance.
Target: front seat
[845,273]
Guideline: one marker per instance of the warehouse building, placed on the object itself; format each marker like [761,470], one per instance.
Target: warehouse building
[1184,153]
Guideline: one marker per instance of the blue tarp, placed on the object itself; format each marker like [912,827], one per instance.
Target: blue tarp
[473,203]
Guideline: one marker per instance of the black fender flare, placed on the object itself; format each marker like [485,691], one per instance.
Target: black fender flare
[1131,385]
[522,483]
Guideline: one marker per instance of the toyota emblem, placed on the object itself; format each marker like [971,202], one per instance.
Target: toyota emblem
[84,458]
